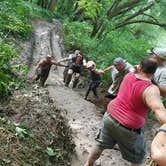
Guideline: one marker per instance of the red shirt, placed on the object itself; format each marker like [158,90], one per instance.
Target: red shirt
[128,107]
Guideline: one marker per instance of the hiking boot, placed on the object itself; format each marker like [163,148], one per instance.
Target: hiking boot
[75,82]
[85,98]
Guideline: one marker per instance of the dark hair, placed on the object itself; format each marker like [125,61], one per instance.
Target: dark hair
[81,53]
[149,65]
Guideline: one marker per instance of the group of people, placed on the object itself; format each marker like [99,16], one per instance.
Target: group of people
[134,92]
[139,92]
[75,64]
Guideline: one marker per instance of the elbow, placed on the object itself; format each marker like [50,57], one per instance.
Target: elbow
[156,156]
[158,150]
[159,158]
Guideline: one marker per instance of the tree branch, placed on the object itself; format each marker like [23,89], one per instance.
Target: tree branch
[140,21]
[139,12]
[123,8]
[113,6]
[128,4]
[151,17]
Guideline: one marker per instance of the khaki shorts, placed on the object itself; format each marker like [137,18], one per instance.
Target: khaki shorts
[131,143]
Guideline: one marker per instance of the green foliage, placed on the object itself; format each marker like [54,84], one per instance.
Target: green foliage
[116,44]
[6,54]
[36,12]
[65,8]
[164,101]
[90,7]
[77,36]
[22,132]
[13,19]
[15,24]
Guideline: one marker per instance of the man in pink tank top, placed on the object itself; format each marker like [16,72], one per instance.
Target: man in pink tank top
[122,123]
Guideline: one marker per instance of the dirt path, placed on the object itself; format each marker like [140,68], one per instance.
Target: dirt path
[84,117]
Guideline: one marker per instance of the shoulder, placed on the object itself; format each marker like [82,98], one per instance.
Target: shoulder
[129,67]
[151,94]
[151,90]
[42,61]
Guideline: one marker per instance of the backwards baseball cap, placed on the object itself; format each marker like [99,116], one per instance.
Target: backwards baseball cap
[90,64]
[161,52]
[119,60]
[49,56]
[77,52]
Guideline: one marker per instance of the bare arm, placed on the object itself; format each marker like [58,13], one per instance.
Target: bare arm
[54,62]
[65,59]
[58,64]
[99,71]
[158,147]
[39,64]
[108,68]
[152,99]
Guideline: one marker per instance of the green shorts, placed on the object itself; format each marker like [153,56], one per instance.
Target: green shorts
[131,143]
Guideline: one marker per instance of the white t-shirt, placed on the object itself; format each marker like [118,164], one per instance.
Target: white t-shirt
[117,77]
[160,76]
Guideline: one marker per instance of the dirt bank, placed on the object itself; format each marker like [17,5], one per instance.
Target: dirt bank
[33,131]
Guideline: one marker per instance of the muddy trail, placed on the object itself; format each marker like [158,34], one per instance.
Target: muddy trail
[84,117]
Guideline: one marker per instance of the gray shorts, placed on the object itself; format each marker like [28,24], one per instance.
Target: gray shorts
[131,143]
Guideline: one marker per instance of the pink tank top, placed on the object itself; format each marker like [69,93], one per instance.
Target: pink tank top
[128,107]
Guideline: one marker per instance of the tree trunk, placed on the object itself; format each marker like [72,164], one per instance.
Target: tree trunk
[100,32]
[39,2]
[43,3]
[96,28]
[52,5]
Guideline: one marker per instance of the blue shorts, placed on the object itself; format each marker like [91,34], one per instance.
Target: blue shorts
[131,143]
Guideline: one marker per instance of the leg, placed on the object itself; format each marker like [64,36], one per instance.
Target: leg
[87,92]
[43,78]
[93,156]
[37,78]
[65,73]
[76,79]
[94,88]
[38,73]
[104,140]
[68,77]
[42,81]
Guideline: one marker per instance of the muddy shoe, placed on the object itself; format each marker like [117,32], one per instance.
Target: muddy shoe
[102,112]
[66,85]
[88,99]
[97,163]
[85,98]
